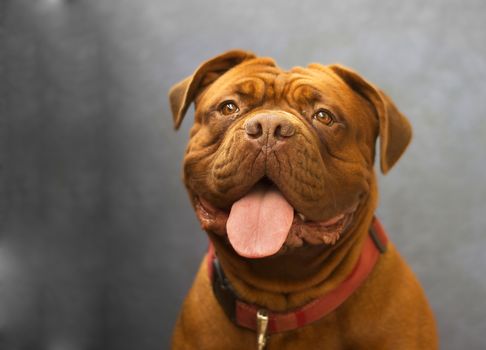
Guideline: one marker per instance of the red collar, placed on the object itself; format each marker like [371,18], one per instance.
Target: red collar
[245,315]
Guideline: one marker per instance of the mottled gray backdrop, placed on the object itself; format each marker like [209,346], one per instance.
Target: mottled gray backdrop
[98,243]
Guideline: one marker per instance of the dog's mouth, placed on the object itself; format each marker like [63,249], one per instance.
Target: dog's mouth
[263,223]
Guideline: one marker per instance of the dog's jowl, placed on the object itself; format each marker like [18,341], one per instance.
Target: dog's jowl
[280,171]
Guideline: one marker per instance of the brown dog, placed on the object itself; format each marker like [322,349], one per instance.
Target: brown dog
[279,169]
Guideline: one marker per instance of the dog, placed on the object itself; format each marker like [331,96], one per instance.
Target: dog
[280,171]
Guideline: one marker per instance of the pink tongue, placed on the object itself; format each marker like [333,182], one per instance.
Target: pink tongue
[259,222]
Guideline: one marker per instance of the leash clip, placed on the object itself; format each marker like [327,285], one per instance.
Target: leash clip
[262,325]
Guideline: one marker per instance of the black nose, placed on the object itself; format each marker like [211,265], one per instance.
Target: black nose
[271,126]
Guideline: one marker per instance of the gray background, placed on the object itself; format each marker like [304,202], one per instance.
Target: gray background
[98,243]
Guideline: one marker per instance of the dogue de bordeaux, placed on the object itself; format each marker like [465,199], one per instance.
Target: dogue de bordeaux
[279,170]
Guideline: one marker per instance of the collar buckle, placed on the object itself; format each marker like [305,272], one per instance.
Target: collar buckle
[262,326]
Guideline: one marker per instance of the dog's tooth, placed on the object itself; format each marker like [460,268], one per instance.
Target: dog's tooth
[301,216]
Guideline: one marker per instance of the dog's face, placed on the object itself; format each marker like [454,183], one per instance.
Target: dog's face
[279,159]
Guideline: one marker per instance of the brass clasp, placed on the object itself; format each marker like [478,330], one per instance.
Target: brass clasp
[262,325]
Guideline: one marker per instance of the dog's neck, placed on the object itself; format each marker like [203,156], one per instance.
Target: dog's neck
[293,278]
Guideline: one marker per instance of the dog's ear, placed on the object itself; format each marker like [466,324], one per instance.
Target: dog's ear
[183,93]
[395,129]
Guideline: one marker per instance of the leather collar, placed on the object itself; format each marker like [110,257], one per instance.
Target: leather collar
[245,315]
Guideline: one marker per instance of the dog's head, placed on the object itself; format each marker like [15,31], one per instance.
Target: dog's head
[278,159]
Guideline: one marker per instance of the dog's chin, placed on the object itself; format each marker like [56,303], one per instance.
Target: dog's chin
[302,231]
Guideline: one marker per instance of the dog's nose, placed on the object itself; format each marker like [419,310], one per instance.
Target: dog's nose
[270,126]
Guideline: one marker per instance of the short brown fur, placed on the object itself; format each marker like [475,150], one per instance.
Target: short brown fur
[321,171]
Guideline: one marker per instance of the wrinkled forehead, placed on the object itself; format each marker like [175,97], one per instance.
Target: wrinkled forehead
[263,79]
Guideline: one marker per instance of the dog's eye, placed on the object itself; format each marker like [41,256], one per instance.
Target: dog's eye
[228,108]
[324,116]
